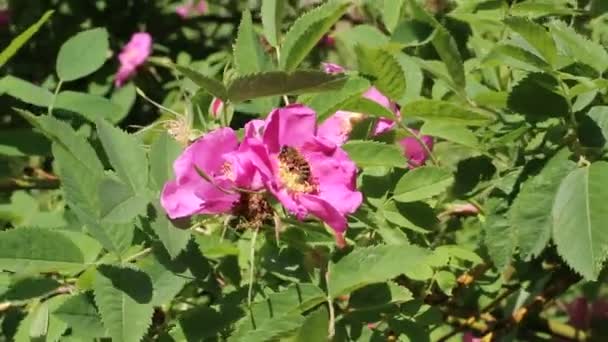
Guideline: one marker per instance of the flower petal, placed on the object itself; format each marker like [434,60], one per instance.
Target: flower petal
[324,211]
[289,126]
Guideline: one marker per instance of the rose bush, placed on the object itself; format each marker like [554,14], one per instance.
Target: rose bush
[398,170]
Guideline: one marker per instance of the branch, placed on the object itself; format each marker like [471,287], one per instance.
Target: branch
[14,184]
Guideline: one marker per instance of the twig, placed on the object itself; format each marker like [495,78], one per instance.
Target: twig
[14,184]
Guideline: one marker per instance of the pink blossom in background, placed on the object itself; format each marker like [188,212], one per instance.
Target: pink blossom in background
[5,17]
[469,337]
[134,54]
[414,151]
[189,9]
[307,173]
[581,312]
[332,68]
[337,127]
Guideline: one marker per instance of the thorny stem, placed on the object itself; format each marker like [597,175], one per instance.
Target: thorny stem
[156,104]
[251,267]
[278,51]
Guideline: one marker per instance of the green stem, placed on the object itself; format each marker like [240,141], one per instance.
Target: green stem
[52,104]
[138,255]
[251,267]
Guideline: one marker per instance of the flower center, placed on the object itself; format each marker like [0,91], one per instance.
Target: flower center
[294,171]
[226,170]
[252,210]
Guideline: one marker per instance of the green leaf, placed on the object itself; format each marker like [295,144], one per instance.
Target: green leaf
[360,268]
[329,102]
[402,215]
[91,107]
[39,250]
[272,16]
[25,91]
[530,213]
[115,237]
[123,296]
[368,107]
[83,54]
[24,142]
[126,155]
[173,239]
[211,85]
[364,34]
[315,327]
[274,83]
[23,38]
[516,57]
[499,239]
[271,318]
[249,56]
[167,279]
[76,157]
[307,30]
[391,13]
[119,203]
[422,183]
[372,153]
[593,128]
[81,316]
[447,112]
[29,288]
[39,325]
[163,152]
[547,101]
[411,32]
[446,281]
[541,8]
[579,219]
[450,132]
[536,35]
[124,97]
[386,70]
[578,47]
[444,44]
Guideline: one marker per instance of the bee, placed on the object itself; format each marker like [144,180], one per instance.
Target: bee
[296,164]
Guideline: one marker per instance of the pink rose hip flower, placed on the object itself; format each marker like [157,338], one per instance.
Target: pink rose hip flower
[305,172]
[189,193]
[232,186]
[415,152]
[133,55]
